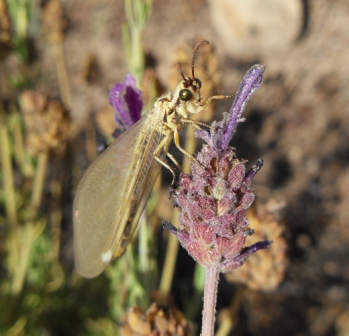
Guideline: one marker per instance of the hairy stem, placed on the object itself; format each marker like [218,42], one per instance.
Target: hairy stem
[210,300]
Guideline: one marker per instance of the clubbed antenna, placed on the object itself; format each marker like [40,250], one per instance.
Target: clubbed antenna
[202,42]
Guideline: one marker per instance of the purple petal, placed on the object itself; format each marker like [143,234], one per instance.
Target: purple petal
[133,98]
[265,244]
[116,100]
[168,226]
[203,135]
[253,171]
[182,235]
[237,261]
[134,102]
[130,80]
[126,114]
[248,85]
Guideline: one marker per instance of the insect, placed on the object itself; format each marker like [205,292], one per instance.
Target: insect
[112,194]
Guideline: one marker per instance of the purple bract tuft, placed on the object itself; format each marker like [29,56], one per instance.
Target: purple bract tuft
[127,102]
[248,86]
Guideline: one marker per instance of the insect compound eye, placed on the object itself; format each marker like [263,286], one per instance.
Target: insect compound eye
[185,94]
[198,81]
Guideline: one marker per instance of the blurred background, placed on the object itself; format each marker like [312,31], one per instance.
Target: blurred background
[58,61]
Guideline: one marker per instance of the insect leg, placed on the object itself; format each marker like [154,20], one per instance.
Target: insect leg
[195,123]
[163,146]
[165,149]
[176,141]
[178,145]
[169,168]
[174,161]
[209,99]
[219,97]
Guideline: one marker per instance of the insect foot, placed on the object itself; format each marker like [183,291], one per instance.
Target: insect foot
[172,190]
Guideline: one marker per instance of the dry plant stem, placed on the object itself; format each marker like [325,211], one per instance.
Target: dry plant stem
[190,147]
[20,239]
[19,151]
[228,323]
[62,74]
[56,218]
[145,230]
[8,180]
[25,236]
[144,262]
[210,300]
[39,180]
[225,327]
[18,327]
[91,148]
[9,191]
[6,163]
[172,245]
[169,264]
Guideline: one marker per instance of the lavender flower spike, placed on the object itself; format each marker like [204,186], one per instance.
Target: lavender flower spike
[213,201]
[126,114]
[249,84]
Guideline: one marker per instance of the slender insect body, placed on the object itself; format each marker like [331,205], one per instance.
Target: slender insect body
[112,194]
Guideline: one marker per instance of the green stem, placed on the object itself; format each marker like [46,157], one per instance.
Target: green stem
[138,59]
[6,163]
[24,235]
[39,180]
[137,13]
[20,154]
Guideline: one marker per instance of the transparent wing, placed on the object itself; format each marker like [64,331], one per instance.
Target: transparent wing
[112,195]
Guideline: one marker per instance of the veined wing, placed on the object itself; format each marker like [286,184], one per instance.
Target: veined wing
[112,195]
